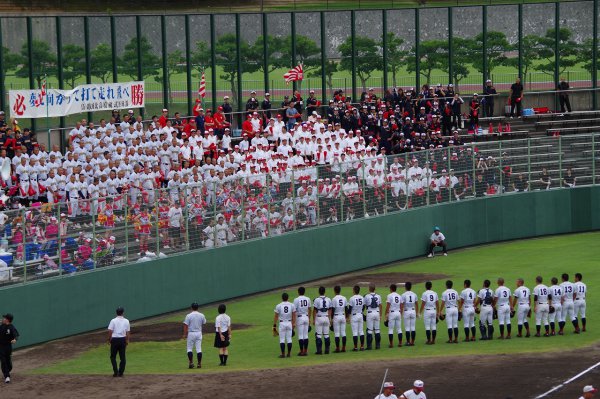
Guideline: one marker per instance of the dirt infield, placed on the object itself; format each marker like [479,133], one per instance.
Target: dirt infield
[483,376]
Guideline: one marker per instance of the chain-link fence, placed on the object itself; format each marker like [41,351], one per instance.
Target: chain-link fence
[142,222]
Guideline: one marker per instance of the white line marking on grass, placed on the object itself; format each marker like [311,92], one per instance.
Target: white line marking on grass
[556,388]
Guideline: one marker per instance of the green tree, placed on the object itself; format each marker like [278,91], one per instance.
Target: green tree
[175,64]
[101,62]
[462,55]
[396,55]
[497,46]
[529,56]
[274,53]
[73,63]
[331,67]
[201,55]
[44,61]
[307,53]
[433,55]
[128,62]
[567,51]
[11,60]
[367,58]
[585,55]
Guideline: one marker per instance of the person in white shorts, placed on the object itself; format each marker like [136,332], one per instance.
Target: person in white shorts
[393,315]
[416,392]
[430,304]
[339,306]
[355,307]
[467,307]
[485,301]
[555,305]
[450,300]
[410,300]
[568,306]
[580,304]
[373,306]
[541,296]
[322,321]
[285,314]
[303,305]
[502,303]
[192,333]
[522,298]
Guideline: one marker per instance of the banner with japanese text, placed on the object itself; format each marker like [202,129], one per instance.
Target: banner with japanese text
[85,98]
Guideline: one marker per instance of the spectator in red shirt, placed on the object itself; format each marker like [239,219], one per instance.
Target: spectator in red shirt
[162,121]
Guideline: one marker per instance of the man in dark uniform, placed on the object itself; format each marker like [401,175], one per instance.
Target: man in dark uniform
[8,336]
[227,110]
[285,104]
[516,97]
[299,101]
[563,95]
[265,105]
[252,103]
[488,100]
[311,103]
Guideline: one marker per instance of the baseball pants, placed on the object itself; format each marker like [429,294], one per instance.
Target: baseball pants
[567,311]
[118,345]
[503,314]
[339,325]
[322,326]
[357,324]
[410,317]
[486,315]
[394,322]
[522,314]
[452,317]
[468,316]
[579,308]
[552,317]
[285,332]
[373,320]
[302,322]
[429,318]
[541,314]
[5,359]
[194,339]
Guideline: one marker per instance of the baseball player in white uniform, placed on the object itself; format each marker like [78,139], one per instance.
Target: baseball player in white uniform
[580,304]
[339,307]
[555,305]
[450,299]
[430,303]
[416,392]
[522,297]
[192,333]
[373,306]
[285,313]
[467,307]
[485,301]
[322,321]
[303,305]
[541,296]
[356,306]
[388,391]
[394,306]
[410,300]
[568,306]
[504,307]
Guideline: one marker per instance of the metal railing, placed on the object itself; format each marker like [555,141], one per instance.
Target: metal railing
[141,224]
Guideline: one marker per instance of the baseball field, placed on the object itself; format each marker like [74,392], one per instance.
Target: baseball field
[517,368]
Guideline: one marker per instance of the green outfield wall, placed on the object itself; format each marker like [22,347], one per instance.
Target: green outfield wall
[82,302]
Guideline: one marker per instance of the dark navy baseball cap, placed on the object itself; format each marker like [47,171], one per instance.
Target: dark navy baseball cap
[8,317]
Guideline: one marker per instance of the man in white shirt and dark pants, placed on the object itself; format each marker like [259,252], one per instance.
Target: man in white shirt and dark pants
[192,332]
[118,338]
[437,239]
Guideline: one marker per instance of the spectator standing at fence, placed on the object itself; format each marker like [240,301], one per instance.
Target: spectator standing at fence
[515,98]
[8,337]
[265,105]
[175,217]
[455,103]
[118,339]
[563,96]
[488,101]
[437,239]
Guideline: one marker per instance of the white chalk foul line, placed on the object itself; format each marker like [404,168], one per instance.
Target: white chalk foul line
[556,388]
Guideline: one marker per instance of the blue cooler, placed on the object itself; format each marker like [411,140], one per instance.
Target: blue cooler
[31,251]
[528,112]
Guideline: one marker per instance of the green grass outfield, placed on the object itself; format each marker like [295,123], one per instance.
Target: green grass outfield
[256,348]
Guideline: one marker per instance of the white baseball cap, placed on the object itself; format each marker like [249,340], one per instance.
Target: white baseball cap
[589,388]
[418,384]
[388,385]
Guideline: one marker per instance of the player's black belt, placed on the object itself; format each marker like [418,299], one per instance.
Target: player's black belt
[394,311]
[354,314]
[372,311]
[448,307]
[542,303]
[429,309]
[485,305]
[338,314]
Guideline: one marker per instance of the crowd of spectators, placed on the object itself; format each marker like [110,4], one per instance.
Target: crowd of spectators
[296,165]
